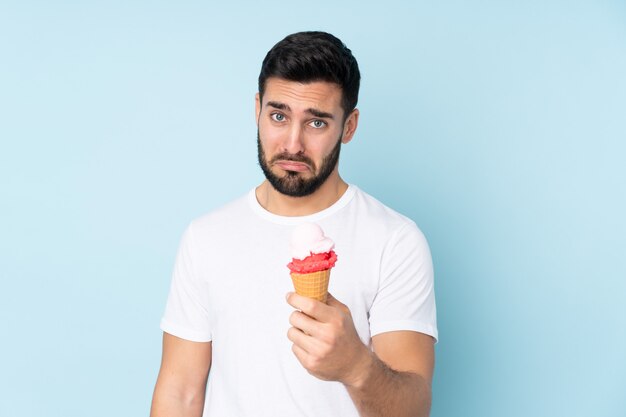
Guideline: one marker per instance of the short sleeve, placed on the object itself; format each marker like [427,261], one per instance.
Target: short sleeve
[406,295]
[187,313]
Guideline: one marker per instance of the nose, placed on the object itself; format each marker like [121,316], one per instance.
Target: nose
[294,142]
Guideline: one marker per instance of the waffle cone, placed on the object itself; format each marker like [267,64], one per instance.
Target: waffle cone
[313,285]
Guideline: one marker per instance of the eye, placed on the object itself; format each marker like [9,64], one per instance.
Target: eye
[317,124]
[277,117]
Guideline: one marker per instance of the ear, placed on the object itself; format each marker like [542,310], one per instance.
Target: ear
[349,127]
[257,107]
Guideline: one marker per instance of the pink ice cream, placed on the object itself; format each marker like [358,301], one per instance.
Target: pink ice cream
[311,250]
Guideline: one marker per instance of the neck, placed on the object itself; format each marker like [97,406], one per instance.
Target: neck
[283,205]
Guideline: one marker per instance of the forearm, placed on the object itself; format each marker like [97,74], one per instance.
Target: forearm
[171,403]
[384,392]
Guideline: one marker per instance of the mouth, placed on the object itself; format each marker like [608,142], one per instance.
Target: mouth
[293,166]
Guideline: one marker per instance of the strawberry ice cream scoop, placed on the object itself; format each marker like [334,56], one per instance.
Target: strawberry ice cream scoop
[311,250]
[313,263]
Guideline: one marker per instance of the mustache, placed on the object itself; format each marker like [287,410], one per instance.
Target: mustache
[284,156]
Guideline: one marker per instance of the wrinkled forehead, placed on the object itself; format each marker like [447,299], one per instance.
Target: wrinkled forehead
[296,95]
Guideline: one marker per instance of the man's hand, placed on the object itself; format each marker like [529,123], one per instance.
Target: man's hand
[325,340]
[326,343]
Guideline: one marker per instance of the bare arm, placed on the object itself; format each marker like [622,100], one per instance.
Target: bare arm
[396,380]
[392,381]
[181,384]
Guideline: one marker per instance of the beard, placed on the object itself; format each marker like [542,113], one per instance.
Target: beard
[293,184]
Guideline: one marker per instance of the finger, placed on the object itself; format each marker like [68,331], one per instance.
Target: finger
[311,307]
[305,323]
[331,301]
[303,341]
[300,354]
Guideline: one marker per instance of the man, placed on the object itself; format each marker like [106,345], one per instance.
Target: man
[367,352]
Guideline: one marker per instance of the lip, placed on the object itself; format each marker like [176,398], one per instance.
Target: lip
[292,166]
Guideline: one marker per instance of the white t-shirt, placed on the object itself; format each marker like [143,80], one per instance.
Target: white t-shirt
[229,286]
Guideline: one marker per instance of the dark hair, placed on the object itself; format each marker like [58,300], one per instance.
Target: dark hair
[314,56]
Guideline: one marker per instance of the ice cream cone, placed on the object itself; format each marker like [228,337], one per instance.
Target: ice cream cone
[313,284]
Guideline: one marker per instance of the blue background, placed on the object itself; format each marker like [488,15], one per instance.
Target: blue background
[498,126]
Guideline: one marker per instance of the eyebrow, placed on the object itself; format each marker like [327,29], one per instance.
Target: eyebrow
[313,111]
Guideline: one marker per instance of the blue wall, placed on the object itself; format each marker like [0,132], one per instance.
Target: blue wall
[498,126]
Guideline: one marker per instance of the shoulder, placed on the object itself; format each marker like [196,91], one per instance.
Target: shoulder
[222,218]
[386,223]
[379,215]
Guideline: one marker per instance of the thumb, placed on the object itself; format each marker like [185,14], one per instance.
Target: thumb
[333,302]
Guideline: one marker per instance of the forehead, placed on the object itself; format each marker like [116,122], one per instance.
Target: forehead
[317,94]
